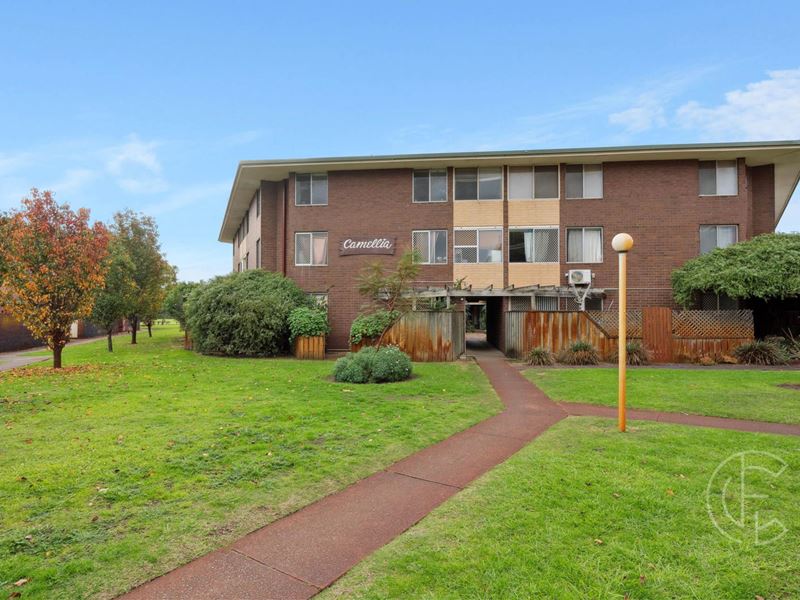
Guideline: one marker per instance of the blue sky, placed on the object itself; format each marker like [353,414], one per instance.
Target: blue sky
[151,105]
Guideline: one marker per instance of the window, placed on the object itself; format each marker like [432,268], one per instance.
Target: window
[485,183]
[320,299]
[246,261]
[591,303]
[430,185]
[584,244]
[311,249]
[258,253]
[533,245]
[718,178]
[478,245]
[525,183]
[519,303]
[548,303]
[311,189]
[584,181]
[431,246]
[717,236]
[711,301]
[258,203]
[246,223]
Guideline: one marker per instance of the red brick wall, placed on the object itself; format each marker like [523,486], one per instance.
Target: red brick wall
[762,191]
[658,203]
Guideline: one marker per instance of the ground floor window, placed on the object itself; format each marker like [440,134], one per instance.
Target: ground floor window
[319,299]
[712,301]
[478,245]
[430,245]
[717,236]
[311,249]
[584,244]
[258,253]
[548,303]
[533,245]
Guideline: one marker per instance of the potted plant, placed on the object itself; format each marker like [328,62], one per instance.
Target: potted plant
[307,330]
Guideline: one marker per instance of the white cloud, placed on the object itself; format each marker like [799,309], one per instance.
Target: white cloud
[189,196]
[136,167]
[646,114]
[242,138]
[10,163]
[73,180]
[767,109]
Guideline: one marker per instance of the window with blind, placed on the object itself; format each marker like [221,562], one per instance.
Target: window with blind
[717,236]
[718,178]
[526,183]
[533,245]
[584,244]
[485,183]
[430,185]
[584,181]
[430,246]
[478,245]
[311,249]
[311,189]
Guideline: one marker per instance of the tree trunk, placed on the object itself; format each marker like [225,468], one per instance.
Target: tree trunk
[134,327]
[57,349]
[110,344]
[149,329]
[186,339]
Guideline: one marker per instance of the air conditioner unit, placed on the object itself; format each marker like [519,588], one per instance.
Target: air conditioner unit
[579,276]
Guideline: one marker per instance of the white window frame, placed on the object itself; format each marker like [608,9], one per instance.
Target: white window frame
[533,182]
[534,227]
[716,168]
[429,201]
[583,229]
[311,189]
[311,253]
[478,188]
[477,245]
[716,227]
[583,173]
[431,246]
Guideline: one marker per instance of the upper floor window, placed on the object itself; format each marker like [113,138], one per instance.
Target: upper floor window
[246,223]
[584,181]
[478,245]
[533,245]
[584,244]
[311,249]
[485,183]
[717,236]
[430,185]
[525,183]
[311,189]
[718,178]
[431,245]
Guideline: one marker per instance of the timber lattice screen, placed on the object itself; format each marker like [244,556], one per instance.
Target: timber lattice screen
[716,324]
[608,321]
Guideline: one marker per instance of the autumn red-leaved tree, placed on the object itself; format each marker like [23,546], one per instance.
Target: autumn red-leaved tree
[53,261]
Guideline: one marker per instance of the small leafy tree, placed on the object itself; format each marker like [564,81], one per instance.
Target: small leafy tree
[389,293]
[175,304]
[765,267]
[114,300]
[54,262]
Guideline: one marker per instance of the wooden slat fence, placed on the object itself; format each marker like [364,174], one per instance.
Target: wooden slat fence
[427,336]
[554,330]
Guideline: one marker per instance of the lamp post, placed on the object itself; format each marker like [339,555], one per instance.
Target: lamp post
[622,243]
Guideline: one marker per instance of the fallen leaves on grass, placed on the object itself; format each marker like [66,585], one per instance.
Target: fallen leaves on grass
[24,372]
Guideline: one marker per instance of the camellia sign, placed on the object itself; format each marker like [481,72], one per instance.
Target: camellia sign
[373,245]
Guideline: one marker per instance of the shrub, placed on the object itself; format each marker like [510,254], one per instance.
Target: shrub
[308,321]
[579,353]
[243,314]
[371,365]
[372,325]
[637,354]
[541,357]
[760,352]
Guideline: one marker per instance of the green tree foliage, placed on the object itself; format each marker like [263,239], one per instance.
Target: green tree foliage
[768,266]
[243,314]
[152,275]
[175,301]
[116,298]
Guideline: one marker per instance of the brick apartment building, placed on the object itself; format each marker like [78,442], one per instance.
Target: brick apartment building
[521,228]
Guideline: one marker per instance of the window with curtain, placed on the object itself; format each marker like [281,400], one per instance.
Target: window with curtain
[584,181]
[311,249]
[311,189]
[584,245]
[717,236]
[718,178]
[478,245]
[431,245]
[533,245]
[430,185]
[485,183]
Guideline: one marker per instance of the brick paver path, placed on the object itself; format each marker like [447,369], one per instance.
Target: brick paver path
[302,553]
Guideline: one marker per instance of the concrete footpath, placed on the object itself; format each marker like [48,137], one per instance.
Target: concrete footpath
[297,556]
[21,358]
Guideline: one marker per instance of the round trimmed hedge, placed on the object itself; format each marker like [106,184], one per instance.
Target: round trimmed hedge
[371,365]
[243,314]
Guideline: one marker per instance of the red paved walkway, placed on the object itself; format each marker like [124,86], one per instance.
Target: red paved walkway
[296,556]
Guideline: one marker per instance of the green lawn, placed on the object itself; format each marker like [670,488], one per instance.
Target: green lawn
[142,459]
[739,394]
[586,512]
